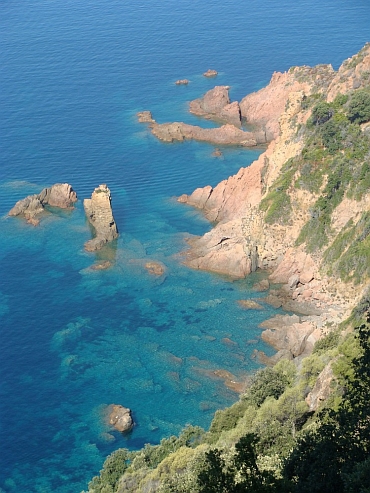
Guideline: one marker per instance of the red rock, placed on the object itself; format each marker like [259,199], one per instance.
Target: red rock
[225,135]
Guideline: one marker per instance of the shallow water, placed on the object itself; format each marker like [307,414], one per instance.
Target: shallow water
[74,340]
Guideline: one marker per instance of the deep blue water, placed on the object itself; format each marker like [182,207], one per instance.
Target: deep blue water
[73,75]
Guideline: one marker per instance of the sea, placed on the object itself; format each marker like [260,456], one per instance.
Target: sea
[73,340]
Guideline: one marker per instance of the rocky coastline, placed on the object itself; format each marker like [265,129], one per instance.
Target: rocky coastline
[241,240]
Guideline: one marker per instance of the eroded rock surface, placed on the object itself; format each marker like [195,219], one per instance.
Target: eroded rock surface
[216,104]
[289,332]
[322,388]
[98,211]
[120,417]
[59,195]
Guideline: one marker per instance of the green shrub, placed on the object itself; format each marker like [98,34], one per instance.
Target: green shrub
[359,107]
[321,113]
[270,382]
[226,419]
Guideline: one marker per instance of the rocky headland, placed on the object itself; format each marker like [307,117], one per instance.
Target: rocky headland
[98,211]
[267,216]
[59,195]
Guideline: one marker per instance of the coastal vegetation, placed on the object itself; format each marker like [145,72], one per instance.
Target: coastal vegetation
[269,440]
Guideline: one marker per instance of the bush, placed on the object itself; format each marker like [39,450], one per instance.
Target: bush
[321,113]
[270,382]
[359,107]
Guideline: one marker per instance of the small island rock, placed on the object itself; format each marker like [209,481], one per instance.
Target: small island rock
[99,213]
[182,82]
[120,417]
[145,117]
[59,195]
[210,73]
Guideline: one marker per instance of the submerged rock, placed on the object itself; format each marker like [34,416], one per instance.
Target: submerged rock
[59,195]
[99,213]
[155,268]
[250,305]
[120,417]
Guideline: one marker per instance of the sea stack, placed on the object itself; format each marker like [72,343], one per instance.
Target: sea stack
[98,211]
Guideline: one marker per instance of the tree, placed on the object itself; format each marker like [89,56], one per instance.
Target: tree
[359,107]
[240,474]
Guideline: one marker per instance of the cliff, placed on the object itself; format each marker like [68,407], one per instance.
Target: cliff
[302,210]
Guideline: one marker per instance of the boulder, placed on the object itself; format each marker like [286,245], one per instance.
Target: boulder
[98,211]
[59,195]
[210,73]
[120,417]
[145,117]
[285,332]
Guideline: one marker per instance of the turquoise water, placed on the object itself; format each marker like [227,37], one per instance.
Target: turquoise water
[73,340]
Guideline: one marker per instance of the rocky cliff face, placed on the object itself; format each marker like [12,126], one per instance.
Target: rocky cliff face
[265,213]
[59,195]
[99,213]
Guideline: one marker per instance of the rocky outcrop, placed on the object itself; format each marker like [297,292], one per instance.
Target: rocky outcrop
[120,417]
[145,117]
[264,107]
[59,195]
[182,82]
[354,73]
[322,388]
[210,73]
[285,332]
[98,211]
[225,135]
[216,104]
